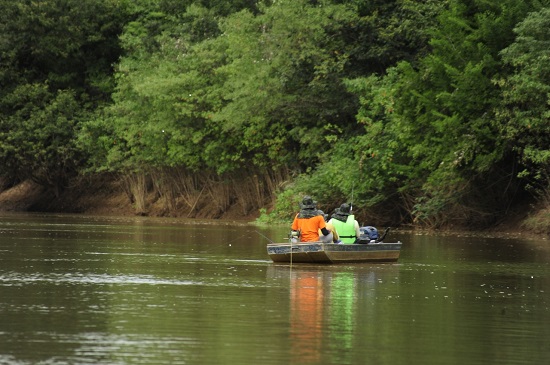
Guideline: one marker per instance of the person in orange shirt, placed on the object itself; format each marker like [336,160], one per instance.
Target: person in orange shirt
[308,221]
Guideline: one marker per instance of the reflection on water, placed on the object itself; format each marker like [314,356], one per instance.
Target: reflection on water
[99,290]
[306,314]
[333,309]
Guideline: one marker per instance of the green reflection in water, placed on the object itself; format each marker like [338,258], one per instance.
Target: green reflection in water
[341,310]
[342,314]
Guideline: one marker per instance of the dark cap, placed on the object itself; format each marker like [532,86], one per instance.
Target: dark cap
[308,203]
[345,208]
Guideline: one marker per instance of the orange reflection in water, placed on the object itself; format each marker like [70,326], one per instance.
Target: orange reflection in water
[306,316]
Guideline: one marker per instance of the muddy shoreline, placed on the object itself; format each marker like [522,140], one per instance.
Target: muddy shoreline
[109,199]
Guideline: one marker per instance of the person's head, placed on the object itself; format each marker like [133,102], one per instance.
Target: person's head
[308,203]
[345,208]
[321,213]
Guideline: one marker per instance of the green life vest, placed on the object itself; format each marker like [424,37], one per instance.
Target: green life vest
[345,230]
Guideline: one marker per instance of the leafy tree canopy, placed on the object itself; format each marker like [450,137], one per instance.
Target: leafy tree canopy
[418,111]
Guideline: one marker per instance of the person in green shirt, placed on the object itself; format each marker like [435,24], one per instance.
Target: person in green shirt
[345,224]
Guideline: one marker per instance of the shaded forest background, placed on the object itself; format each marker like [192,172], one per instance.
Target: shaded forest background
[431,113]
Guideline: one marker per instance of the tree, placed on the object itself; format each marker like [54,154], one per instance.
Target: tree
[265,92]
[42,146]
[56,71]
[164,96]
[434,126]
[524,119]
[284,78]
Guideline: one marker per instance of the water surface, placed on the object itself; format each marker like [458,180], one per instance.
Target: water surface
[101,290]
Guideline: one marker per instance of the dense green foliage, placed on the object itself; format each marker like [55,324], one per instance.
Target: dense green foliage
[432,112]
[524,118]
[55,71]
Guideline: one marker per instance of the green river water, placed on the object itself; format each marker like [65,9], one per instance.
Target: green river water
[104,290]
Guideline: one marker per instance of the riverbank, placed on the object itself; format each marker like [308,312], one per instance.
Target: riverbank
[108,197]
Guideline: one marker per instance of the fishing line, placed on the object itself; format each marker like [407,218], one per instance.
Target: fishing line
[235,239]
[271,241]
[213,247]
[264,236]
[290,240]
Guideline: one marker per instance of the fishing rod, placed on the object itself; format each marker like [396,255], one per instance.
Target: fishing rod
[264,236]
[351,202]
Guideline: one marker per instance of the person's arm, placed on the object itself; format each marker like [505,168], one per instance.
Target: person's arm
[323,226]
[357,230]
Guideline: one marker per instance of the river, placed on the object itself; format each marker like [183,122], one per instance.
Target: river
[105,290]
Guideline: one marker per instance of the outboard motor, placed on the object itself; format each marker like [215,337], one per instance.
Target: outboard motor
[368,234]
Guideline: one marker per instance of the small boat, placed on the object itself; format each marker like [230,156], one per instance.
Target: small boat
[331,253]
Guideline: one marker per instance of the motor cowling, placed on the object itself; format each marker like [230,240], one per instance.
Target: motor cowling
[368,234]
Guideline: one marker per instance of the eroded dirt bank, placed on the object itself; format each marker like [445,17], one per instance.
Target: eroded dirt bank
[108,197]
[104,197]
